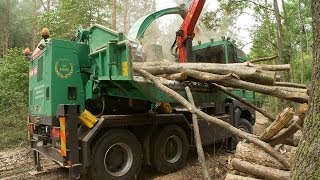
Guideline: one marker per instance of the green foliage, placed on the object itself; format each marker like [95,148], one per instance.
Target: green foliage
[13,98]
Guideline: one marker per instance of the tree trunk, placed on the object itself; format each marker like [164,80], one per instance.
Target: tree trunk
[277,125]
[125,17]
[235,131]
[279,32]
[251,74]
[197,138]
[114,15]
[251,153]
[287,40]
[301,41]
[259,171]
[307,161]
[236,177]
[296,121]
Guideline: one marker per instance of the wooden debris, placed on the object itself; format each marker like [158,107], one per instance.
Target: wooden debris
[233,130]
[251,153]
[223,89]
[259,171]
[297,119]
[197,138]
[263,59]
[237,177]
[277,125]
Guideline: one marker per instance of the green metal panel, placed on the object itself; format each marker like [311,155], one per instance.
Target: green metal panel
[141,25]
[49,86]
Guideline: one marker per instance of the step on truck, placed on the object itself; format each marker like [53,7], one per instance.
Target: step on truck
[91,113]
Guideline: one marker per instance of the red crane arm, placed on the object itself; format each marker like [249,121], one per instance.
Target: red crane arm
[186,32]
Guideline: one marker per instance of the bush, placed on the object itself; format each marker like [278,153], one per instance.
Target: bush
[13,98]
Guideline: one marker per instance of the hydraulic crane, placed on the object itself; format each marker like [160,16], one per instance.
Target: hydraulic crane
[186,32]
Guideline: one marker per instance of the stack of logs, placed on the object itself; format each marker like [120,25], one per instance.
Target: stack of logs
[254,161]
[259,158]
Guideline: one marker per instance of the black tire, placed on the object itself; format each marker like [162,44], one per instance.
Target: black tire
[116,155]
[245,125]
[167,159]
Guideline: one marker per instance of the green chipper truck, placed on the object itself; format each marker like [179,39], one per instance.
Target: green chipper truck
[91,113]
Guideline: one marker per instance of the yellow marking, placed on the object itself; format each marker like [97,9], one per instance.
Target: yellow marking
[88,119]
[125,68]
[63,143]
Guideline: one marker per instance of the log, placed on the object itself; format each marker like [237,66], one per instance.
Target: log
[249,74]
[259,171]
[277,125]
[235,131]
[223,89]
[230,81]
[177,76]
[297,119]
[289,84]
[251,153]
[237,177]
[266,67]
[292,89]
[263,59]
[197,138]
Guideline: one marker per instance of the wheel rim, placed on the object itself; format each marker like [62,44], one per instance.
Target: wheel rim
[118,159]
[172,149]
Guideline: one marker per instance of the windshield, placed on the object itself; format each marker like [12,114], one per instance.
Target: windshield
[215,54]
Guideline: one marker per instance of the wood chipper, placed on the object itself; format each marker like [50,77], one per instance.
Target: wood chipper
[91,113]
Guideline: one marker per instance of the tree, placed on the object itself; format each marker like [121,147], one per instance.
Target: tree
[307,160]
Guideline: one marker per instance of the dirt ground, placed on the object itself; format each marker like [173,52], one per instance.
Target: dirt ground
[18,164]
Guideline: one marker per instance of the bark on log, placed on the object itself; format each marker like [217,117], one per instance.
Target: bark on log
[249,74]
[259,171]
[263,59]
[229,81]
[237,177]
[298,119]
[214,120]
[177,76]
[197,138]
[277,125]
[292,89]
[266,67]
[289,84]
[251,153]
[223,89]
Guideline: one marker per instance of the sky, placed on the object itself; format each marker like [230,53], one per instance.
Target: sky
[244,22]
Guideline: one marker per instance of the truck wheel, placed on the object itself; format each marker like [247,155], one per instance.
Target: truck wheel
[169,149]
[245,125]
[116,155]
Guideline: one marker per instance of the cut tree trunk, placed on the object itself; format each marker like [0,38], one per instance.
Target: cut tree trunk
[177,76]
[251,153]
[235,131]
[259,171]
[237,177]
[197,138]
[264,58]
[298,119]
[245,73]
[266,67]
[223,89]
[289,84]
[277,125]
